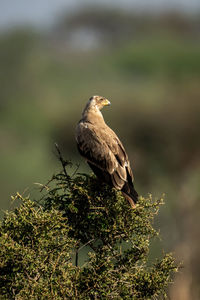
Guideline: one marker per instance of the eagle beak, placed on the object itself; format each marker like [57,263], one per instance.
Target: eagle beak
[106,102]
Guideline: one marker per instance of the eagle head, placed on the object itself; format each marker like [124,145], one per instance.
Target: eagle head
[98,102]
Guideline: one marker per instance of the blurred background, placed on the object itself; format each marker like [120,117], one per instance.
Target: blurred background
[144,56]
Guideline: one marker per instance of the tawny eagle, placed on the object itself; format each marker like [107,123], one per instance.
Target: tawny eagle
[103,151]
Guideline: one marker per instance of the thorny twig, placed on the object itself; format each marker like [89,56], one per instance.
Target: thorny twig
[77,167]
[63,162]
[78,249]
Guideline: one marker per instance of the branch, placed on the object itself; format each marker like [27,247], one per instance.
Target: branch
[63,162]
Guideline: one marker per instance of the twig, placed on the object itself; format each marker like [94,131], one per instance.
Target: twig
[76,258]
[77,167]
[43,186]
[78,249]
[85,244]
[63,162]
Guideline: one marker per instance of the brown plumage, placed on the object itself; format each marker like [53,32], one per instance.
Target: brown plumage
[103,151]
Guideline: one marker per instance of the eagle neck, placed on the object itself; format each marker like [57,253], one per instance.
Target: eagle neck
[93,116]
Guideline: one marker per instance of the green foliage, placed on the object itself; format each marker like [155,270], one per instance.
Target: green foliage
[35,254]
[41,241]
[160,56]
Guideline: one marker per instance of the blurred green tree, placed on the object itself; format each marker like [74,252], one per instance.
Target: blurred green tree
[41,243]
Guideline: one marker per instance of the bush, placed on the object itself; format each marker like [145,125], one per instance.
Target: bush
[41,243]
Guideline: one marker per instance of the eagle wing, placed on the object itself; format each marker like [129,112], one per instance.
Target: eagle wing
[105,154]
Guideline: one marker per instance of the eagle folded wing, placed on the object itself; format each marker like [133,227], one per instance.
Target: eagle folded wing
[104,153]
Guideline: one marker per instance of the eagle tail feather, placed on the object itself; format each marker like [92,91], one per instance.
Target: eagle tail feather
[129,199]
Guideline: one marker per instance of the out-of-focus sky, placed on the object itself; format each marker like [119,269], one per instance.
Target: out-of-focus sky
[43,12]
